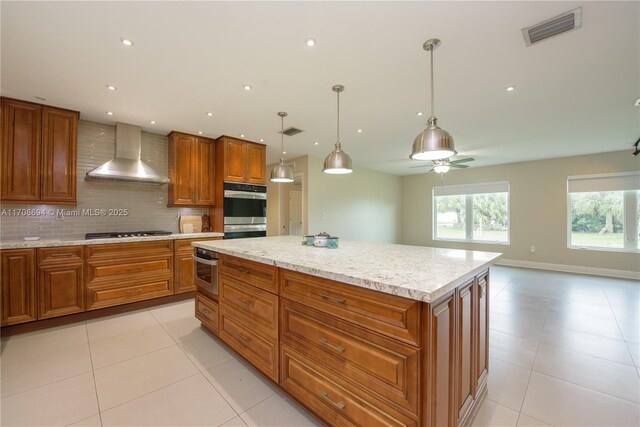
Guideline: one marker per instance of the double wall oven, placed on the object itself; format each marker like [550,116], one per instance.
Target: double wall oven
[245,210]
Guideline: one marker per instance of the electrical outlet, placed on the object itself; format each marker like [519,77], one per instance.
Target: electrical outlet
[532,249]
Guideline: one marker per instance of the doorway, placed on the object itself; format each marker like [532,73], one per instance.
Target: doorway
[295,213]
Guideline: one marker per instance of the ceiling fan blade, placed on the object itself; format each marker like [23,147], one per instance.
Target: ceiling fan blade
[459,166]
[419,166]
[468,159]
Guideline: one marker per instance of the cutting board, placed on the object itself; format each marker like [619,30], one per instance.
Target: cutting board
[190,224]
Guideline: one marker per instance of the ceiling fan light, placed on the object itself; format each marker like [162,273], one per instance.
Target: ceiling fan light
[281,172]
[337,162]
[434,143]
[441,168]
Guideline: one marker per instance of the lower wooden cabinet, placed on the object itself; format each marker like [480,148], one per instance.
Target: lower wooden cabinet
[482,332]
[60,281]
[18,286]
[207,312]
[184,265]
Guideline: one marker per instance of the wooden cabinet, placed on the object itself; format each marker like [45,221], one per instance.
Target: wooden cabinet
[257,274]
[127,272]
[39,146]
[207,312]
[60,281]
[184,264]
[243,161]
[465,354]
[191,170]
[482,332]
[18,286]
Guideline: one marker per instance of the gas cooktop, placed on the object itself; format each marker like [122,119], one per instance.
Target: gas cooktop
[117,234]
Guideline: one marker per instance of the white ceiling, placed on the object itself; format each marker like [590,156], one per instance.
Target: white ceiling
[575,92]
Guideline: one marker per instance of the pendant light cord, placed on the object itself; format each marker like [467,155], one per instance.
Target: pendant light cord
[281,137]
[338,117]
[432,94]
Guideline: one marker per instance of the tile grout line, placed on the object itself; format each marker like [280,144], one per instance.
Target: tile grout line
[526,389]
[626,342]
[93,374]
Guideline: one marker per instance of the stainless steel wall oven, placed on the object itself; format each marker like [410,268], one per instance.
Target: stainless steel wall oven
[245,210]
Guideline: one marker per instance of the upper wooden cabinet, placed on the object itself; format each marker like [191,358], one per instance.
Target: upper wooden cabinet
[39,146]
[191,170]
[244,161]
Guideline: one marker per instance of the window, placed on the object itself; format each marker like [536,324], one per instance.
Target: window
[472,213]
[604,211]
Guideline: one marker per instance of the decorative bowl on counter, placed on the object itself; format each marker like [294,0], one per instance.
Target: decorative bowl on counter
[321,240]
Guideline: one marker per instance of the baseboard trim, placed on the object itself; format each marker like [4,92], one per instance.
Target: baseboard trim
[608,272]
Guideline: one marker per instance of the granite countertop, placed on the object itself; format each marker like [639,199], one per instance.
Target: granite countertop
[417,272]
[80,242]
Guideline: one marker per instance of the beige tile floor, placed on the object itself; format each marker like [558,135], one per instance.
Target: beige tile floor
[565,351]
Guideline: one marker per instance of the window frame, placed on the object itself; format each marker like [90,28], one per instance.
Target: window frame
[630,200]
[469,215]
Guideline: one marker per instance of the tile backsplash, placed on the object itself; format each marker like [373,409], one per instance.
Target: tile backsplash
[146,204]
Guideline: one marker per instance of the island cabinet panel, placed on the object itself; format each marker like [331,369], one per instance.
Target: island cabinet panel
[482,332]
[207,312]
[258,305]
[465,352]
[127,272]
[385,367]
[439,363]
[257,274]
[60,281]
[18,286]
[333,399]
[389,315]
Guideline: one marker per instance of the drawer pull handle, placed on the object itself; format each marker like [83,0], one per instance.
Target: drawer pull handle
[65,255]
[135,291]
[205,311]
[339,348]
[330,298]
[247,340]
[326,397]
[244,270]
[243,302]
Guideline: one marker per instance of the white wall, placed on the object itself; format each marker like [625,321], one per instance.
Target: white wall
[365,205]
[538,203]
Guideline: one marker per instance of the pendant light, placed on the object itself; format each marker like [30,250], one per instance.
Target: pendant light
[337,162]
[282,172]
[433,143]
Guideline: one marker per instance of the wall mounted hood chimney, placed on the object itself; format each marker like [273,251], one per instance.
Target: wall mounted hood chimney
[127,166]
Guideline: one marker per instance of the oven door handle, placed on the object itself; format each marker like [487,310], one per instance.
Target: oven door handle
[204,261]
[234,194]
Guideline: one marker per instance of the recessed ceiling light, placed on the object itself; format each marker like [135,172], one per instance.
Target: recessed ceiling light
[199,132]
[637,104]
[127,42]
[359,130]
[315,143]
[109,113]
[111,87]
[419,113]
[510,88]
[261,140]
[246,87]
[284,152]
[311,42]
[153,122]
[242,135]
[210,114]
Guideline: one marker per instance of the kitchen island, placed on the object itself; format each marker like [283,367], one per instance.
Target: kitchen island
[366,334]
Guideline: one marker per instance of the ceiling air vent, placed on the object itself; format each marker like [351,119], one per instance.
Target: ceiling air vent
[292,131]
[552,27]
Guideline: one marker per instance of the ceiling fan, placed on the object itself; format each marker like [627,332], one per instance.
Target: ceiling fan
[443,166]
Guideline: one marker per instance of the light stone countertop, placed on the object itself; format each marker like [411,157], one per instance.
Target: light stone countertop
[43,243]
[417,272]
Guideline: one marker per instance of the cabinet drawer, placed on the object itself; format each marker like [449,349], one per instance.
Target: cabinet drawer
[62,255]
[390,315]
[333,399]
[120,251]
[184,245]
[261,275]
[258,305]
[260,351]
[123,268]
[207,312]
[117,293]
[379,364]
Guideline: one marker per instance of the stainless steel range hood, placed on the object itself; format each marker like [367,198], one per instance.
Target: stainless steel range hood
[127,166]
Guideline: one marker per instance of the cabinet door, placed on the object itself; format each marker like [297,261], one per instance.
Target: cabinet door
[482,334]
[256,164]
[184,273]
[439,372]
[235,160]
[18,286]
[21,124]
[205,177]
[59,140]
[465,356]
[60,290]
[182,170]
